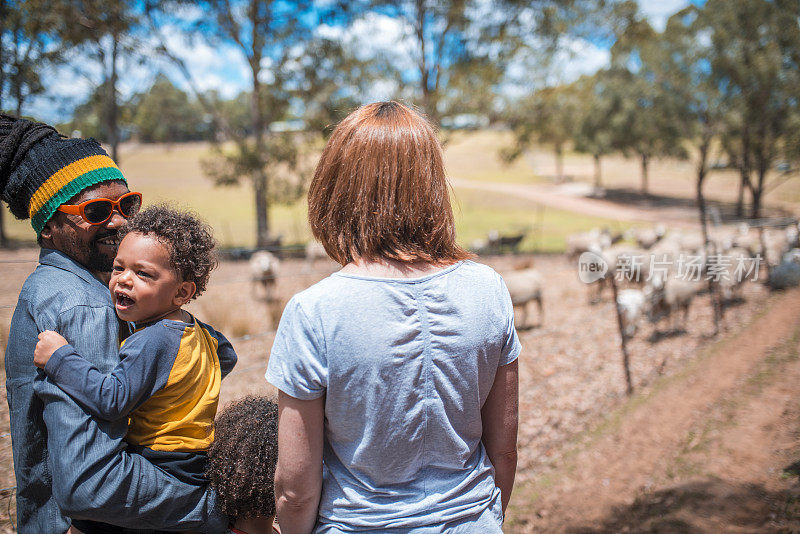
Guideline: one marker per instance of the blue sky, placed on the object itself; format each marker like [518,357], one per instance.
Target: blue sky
[223,68]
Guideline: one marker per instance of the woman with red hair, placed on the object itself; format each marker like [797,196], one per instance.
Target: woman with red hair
[398,373]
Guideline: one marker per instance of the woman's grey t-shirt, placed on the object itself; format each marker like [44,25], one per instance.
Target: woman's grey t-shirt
[405,366]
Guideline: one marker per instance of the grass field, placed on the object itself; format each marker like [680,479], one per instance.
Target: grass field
[174,174]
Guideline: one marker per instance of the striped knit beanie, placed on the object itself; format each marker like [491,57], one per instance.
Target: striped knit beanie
[40,170]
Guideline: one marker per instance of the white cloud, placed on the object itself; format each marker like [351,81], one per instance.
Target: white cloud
[376,35]
[580,57]
[219,66]
[658,11]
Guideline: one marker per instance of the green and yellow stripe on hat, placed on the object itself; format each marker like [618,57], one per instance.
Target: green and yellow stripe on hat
[79,164]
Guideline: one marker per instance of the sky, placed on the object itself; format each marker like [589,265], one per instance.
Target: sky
[222,66]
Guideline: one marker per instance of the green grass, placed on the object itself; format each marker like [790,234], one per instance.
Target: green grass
[478,212]
[475,156]
[174,174]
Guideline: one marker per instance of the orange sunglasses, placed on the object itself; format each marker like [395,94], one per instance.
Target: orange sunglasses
[99,210]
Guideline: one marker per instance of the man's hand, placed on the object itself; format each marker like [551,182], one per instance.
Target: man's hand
[49,342]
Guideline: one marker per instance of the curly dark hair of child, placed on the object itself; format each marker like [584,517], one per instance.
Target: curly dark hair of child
[241,461]
[189,240]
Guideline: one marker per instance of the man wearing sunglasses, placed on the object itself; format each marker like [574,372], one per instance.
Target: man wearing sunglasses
[68,465]
[88,231]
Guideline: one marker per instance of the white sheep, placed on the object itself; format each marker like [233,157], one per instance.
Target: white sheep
[264,268]
[525,287]
[793,236]
[666,296]
[631,304]
[729,274]
[647,237]
[595,240]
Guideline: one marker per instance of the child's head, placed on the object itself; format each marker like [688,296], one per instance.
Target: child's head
[379,190]
[242,458]
[164,261]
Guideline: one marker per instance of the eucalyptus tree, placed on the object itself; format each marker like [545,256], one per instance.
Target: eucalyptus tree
[29,44]
[166,114]
[457,52]
[589,112]
[548,117]
[646,121]
[292,72]
[755,61]
[593,133]
[679,60]
[442,53]
[107,33]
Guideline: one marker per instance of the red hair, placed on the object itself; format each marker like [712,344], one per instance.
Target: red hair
[380,191]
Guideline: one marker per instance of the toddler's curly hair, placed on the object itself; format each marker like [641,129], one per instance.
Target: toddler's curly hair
[241,461]
[189,239]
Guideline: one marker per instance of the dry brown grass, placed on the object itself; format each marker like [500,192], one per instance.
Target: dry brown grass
[226,316]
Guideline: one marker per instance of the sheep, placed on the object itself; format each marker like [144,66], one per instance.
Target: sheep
[619,257]
[747,239]
[787,273]
[666,296]
[647,237]
[691,242]
[662,259]
[631,303]
[264,268]
[524,287]
[793,236]
[727,271]
[774,246]
[594,240]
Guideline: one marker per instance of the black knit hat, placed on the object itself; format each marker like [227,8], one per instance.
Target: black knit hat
[40,169]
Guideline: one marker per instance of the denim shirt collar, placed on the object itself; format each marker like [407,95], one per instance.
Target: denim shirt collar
[59,260]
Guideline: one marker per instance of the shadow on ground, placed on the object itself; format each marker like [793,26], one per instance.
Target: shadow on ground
[727,210]
[705,506]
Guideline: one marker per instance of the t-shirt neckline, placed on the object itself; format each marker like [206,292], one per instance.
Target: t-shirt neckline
[414,280]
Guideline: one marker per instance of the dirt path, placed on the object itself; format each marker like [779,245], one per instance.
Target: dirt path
[554,196]
[705,452]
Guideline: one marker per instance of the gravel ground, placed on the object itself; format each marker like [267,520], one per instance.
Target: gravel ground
[571,367]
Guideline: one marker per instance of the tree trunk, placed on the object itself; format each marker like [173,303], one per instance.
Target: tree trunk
[598,181]
[428,96]
[559,163]
[111,103]
[260,182]
[262,209]
[758,189]
[755,210]
[713,289]
[740,194]
[645,178]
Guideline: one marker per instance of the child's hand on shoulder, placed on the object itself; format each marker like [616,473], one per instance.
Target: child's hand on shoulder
[49,342]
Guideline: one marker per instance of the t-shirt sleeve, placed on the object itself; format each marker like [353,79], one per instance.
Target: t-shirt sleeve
[225,353]
[146,361]
[511,346]
[297,364]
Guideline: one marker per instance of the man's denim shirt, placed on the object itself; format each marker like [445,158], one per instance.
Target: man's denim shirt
[66,463]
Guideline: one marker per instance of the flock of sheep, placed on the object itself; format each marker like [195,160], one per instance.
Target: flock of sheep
[658,272]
